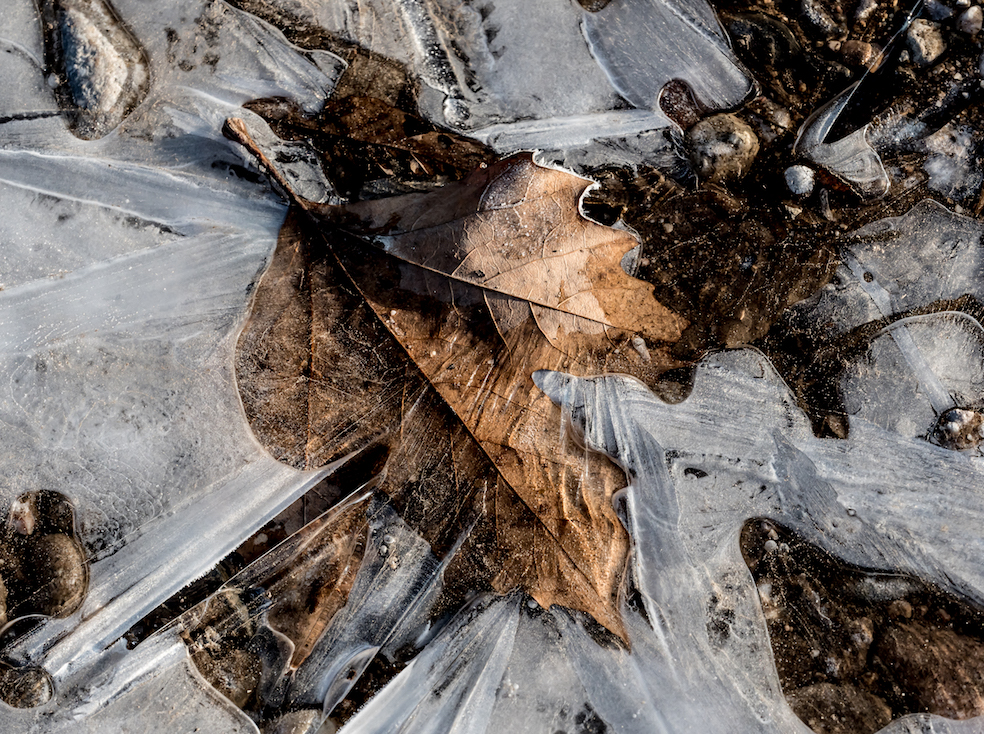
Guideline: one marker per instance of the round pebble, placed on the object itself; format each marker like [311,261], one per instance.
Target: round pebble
[971,20]
[722,147]
[800,180]
[925,42]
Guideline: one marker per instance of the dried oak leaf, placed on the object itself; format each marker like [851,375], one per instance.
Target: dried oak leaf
[382,315]
[368,142]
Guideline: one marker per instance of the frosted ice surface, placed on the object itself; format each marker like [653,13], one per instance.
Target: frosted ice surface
[942,261]
[127,266]
[679,39]
[883,388]
[547,75]
[696,473]
[398,573]
[851,158]
[949,163]
[165,673]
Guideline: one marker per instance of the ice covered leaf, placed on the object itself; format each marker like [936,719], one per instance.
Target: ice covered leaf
[120,393]
[466,292]
[486,71]
[370,139]
[359,388]
[514,228]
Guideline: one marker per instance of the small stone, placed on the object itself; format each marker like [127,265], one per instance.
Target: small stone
[937,10]
[859,53]
[925,42]
[59,571]
[24,688]
[23,514]
[819,20]
[800,180]
[971,20]
[722,147]
[900,609]
[959,429]
[865,9]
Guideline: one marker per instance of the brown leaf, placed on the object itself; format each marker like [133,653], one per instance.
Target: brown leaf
[476,289]
[370,145]
[514,228]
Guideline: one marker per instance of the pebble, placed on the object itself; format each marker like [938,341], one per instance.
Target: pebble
[937,10]
[800,180]
[959,429]
[925,42]
[900,609]
[971,20]
[25,687]
[819,20]
[59,570]
[865,9]
[722,147]
[23,514]
[97,71]
[858,53]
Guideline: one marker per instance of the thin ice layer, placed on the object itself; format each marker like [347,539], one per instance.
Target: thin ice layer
[645,44]
[884,389]
[925,256]
[545,75]
[128,267]
[700,657]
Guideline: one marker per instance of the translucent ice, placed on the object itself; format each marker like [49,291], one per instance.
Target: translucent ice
[128,263]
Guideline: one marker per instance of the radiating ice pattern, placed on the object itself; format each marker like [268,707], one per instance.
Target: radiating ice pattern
[127,263]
